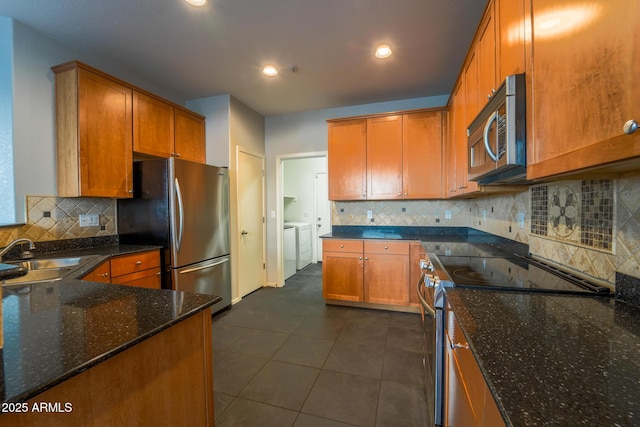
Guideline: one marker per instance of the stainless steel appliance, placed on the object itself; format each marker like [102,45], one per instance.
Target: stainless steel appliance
[184,207]
[432,299]
[497,136]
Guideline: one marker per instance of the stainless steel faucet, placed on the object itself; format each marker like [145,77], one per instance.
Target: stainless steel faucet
[22,240]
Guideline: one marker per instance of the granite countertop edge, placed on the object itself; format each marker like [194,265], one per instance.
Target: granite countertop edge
[28,394]
[200,302]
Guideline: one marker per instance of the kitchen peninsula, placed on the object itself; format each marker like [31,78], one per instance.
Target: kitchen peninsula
[87,353]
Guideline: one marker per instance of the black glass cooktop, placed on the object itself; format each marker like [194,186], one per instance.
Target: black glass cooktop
[515,273]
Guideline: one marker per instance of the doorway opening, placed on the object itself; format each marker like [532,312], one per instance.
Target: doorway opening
[304,208]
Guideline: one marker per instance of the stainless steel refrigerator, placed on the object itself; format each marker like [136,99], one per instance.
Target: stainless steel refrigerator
[184,207]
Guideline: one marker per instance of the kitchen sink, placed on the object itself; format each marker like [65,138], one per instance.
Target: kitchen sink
[38,276]
[55,263]
[48,269]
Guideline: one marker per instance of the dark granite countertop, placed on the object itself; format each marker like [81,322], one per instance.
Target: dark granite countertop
[55,330]
[555,360]
[439,240]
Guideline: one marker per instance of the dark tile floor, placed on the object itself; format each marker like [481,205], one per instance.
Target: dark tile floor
[284,358]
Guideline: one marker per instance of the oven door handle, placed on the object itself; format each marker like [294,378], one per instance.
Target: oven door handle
[485,136]
[424,303]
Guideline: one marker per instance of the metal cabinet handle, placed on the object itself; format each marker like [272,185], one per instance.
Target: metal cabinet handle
[630,127]
[386,247]
[360,258]
[366,258]
[364,194]
[138,262]
[459,345]
[460,187]
[341,246]
[104,275]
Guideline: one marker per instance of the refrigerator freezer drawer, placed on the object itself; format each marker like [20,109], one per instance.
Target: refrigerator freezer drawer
[211,277]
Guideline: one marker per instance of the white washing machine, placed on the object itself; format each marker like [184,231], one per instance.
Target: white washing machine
[290,258]
[304,252]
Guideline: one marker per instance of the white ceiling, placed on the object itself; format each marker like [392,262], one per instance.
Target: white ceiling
[221,48]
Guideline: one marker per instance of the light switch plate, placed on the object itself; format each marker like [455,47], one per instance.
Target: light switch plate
[369,214]
[447,214]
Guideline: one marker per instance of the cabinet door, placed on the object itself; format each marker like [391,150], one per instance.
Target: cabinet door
[347,162]
[486,58]
[342,276]
[384,157]
[510,42]
[189,137]
[101,273]
[422,155]
[461,109]
[105,137]
[583,84]
[386,272]
[153,128]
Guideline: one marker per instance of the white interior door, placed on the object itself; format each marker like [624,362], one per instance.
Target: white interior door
[322,209]
[251,244]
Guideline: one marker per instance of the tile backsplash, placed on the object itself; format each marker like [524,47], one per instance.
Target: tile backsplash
[592,226]
[57,218]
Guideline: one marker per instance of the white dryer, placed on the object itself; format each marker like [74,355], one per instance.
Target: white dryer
[290,249]
[304,253]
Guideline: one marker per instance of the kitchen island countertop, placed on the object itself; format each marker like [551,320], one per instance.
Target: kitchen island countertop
[553,359]
[56,330]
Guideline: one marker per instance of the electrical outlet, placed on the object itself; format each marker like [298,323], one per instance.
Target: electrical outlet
[521,219]
[369,214]
[484,215]
[89,220]
[447,214]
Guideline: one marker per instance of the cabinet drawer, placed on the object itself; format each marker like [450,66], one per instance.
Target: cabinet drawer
[135,262]
[334,245]
[142,279]
[386,247]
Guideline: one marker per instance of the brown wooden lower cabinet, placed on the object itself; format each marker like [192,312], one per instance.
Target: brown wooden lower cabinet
[140,269]
[468,400]
[165,380]
[370,271]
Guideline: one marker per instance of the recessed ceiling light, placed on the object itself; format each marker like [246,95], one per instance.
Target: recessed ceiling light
[196,2]
[383,51]
[270,70]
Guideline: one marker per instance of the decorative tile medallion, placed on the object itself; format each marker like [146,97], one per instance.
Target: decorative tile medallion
[577,212]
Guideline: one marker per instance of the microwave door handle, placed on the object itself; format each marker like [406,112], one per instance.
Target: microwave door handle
[485,137]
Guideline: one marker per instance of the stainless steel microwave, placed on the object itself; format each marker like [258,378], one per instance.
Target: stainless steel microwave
[497,136]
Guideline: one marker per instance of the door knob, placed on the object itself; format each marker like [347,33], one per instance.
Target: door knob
[244,232]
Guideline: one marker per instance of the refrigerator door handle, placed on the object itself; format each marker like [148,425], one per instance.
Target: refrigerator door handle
[180,214]
[203,267]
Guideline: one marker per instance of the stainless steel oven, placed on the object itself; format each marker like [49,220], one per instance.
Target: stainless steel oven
[497,136]
[431,295]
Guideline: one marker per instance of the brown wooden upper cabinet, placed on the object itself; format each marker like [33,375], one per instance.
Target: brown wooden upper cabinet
[582,86]
[510,40]
[387,157]
[161,129]
[93,132]
[101,121]
[347,160]
[189,143]
[384,157]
